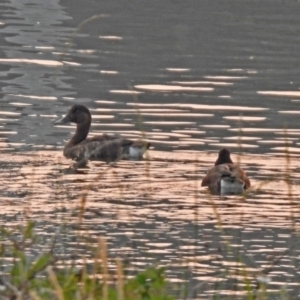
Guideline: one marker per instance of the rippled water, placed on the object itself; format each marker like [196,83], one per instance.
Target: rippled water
[192,76]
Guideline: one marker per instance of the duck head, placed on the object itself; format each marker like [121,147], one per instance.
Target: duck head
[224,157]
[78,114]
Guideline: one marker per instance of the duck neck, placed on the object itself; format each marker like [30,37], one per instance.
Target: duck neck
[223,159]
[81,133]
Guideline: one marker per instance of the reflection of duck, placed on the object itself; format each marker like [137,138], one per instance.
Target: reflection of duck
[104,147]
[226,177]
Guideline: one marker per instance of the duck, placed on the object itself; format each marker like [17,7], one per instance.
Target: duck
[226,177]
[108,148]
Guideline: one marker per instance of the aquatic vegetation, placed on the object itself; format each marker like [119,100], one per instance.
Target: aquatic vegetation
[30,275]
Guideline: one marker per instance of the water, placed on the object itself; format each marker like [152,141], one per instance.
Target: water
[194,77]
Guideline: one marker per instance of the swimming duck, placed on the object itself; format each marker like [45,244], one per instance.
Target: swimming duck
[226,177]
[105,147]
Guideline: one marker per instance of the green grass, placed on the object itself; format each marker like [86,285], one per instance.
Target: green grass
[25,277]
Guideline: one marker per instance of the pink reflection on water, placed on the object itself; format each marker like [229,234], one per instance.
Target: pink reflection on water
[163,192]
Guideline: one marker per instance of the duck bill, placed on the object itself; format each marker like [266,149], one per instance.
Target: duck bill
[64,120]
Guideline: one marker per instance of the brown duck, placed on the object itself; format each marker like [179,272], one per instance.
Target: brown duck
[226,177]
[105,147]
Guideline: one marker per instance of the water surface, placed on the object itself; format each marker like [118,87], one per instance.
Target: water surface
[193,77]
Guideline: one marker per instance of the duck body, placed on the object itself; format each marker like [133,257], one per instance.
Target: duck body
[104,147]
[226,177]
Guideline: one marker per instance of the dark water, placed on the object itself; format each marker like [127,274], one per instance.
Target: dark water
[194,76]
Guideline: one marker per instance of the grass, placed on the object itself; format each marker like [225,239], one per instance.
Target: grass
[28,276]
